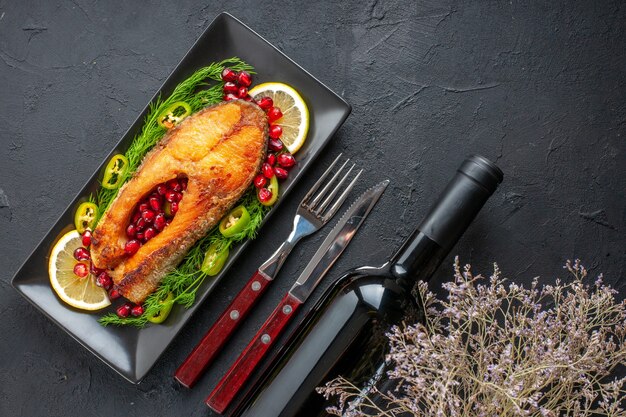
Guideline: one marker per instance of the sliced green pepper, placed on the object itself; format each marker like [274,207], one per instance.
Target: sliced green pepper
[166,306]
[115,171]
[273,187]
[167,209]
[235,221]
[85,216]
[214,259]
[174,114]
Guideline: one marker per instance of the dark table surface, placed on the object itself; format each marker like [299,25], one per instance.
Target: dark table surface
[540,89]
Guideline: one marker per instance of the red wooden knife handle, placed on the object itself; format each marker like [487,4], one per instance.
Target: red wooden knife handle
[240,371]
[217,336]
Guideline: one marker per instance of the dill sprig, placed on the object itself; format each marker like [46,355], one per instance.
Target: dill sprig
[184,281]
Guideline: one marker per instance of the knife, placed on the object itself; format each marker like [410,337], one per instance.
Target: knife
[334,244]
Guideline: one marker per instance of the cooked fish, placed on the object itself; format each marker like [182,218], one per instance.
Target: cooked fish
[219,149]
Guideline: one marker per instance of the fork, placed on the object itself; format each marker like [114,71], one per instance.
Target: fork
[314,211]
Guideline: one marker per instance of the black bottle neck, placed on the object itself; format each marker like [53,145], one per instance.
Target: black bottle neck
[417,259]
[457,206]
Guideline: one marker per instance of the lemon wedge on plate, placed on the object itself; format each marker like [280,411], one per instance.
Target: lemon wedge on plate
[295,120]
[82,293]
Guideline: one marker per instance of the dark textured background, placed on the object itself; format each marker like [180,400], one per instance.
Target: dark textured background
[539,88]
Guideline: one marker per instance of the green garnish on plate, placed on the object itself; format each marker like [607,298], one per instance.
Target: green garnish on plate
[181,285]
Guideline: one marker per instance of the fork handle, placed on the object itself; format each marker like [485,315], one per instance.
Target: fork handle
[221,331]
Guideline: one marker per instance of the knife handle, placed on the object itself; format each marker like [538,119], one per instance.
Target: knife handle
[239,372]
[221,331]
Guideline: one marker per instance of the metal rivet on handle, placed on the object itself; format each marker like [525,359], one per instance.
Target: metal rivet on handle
[234,314]
[287,309]
[266,338]
[256,285]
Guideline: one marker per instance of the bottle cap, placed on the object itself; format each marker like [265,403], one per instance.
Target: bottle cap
[483,171]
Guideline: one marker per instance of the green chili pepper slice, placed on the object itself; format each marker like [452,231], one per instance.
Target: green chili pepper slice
[115,171]
[235,221]
[214,259]
[174,114]
[85,216]
[273,187]
[166,306]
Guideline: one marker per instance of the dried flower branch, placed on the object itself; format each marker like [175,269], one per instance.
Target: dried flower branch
[503,350]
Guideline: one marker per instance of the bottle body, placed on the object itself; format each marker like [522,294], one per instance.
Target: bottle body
[349,335]
[344,334]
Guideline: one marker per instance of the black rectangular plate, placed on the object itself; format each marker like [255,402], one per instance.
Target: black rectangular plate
[132,352]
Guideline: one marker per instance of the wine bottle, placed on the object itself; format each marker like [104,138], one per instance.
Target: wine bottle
[344,334]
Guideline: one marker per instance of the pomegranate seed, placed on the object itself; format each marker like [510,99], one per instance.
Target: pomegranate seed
[260,181]
[267,170]
[81,254]
[104,281]
[170,196]
[143,207]
[132,246]
[155,203]
[131,230]
[140,236]
[229,97]
[161,189]
[183,183]
[136,311]
[248,98]
[229,75]
[265,195]
[276,131]
[87,238]
[123,311]
[281,173]
[242,92]
[271,159]
[114,294]
[140,225]
[274,114]
[149,233]
[95,270]
[275,145]
[168,221]
[174,184]
[265,103]
[174,207]
[136,217]
[159,222]
[81,270]
[244,79]
[148,215]
[286,160]
[230,87]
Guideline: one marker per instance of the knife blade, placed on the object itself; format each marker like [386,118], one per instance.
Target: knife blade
[328,253]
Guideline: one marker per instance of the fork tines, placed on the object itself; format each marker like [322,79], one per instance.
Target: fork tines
[318,204]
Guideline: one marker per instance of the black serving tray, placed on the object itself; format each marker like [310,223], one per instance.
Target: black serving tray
[132,352]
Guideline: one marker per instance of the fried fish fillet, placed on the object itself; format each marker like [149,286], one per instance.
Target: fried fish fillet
[219,149]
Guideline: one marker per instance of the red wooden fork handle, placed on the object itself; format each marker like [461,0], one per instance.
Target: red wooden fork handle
[207,349]
[240,371]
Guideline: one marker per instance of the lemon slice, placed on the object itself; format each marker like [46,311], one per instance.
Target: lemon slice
[295,120]
[82,293]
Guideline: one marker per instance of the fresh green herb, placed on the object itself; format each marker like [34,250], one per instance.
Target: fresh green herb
[184,281]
